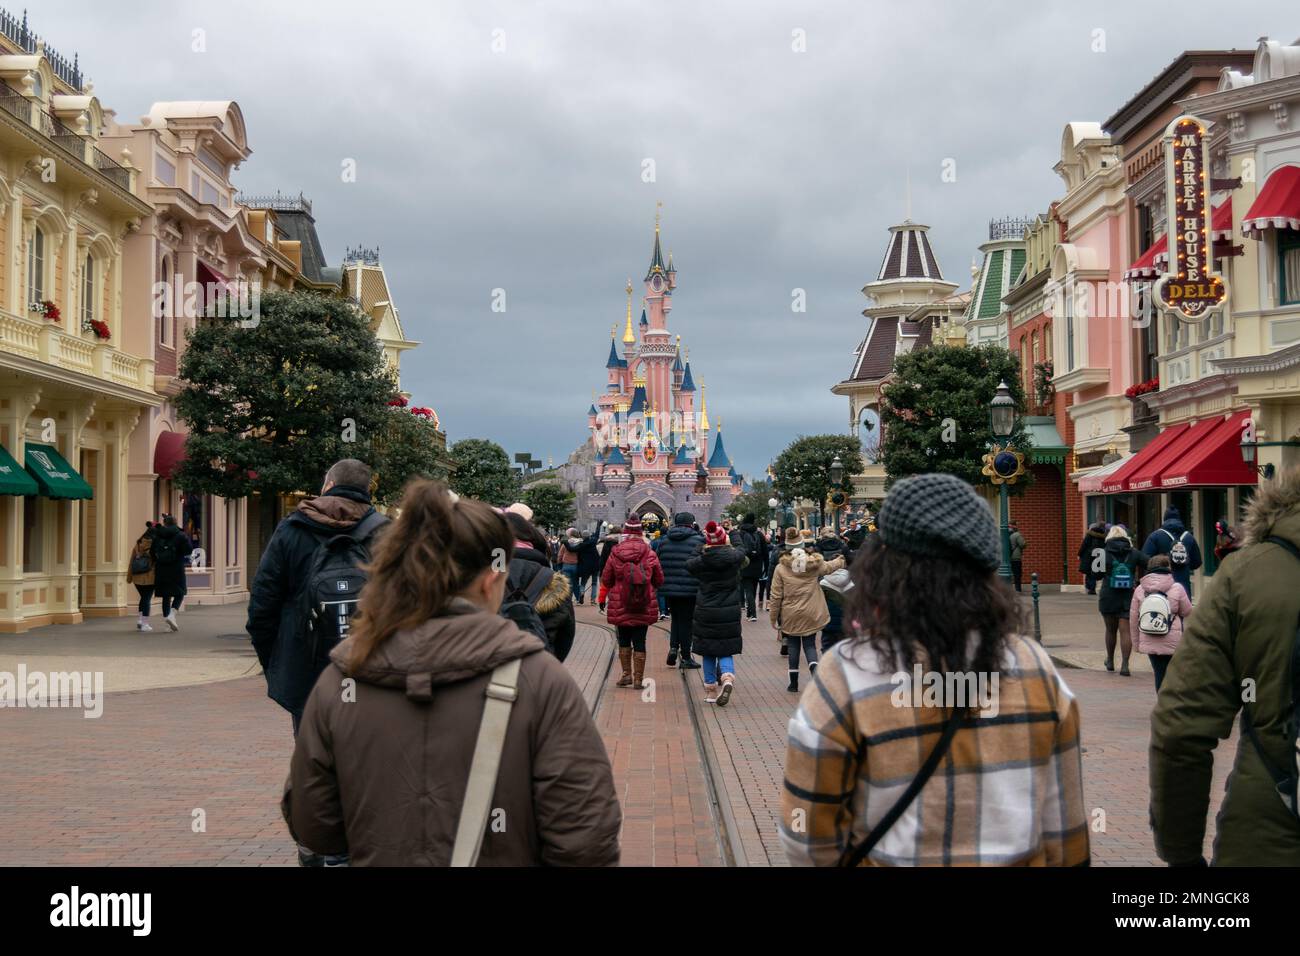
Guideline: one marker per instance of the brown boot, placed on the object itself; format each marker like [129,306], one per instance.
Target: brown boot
[638,669]
[625,659]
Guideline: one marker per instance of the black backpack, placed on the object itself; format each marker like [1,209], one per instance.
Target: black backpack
[164,549]
[1286,780]
[520,604]
[334,582]
[753,546]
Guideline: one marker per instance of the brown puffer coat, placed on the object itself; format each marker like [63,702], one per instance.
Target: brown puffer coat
[796,604]
[383,777]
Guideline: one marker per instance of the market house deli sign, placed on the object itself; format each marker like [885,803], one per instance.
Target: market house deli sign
[1191,290]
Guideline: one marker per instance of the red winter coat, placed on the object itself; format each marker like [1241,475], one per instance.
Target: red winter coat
[615,577]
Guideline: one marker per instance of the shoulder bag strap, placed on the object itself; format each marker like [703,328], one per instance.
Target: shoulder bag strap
[501,693]
[367,526]
[853,857]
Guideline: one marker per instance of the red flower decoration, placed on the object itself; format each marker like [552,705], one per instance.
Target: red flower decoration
[50,310]
[100,329]
[398,402]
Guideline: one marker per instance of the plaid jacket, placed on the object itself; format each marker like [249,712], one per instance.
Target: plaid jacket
[1008,792]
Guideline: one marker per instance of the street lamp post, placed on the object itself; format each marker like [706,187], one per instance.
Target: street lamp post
[837,475]
[1002,422]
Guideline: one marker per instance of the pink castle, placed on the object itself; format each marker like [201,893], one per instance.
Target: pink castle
[653,452]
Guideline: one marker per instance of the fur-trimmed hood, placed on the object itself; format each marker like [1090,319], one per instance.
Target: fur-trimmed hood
[1275,509]
[554,594]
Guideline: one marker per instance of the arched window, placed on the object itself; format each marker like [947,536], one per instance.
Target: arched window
[88,312]
[165,305]
[36,267]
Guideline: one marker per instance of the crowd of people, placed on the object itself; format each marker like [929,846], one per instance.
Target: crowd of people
[435,722]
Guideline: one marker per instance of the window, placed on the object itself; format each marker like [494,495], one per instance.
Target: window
[33,535]
[1069,332]
[1047,341]
[165,307]
[210,160]
[164,171]
[1288,267]
[195,180]
[1148,336]
[36,266]
[88,290]
[209,194]
[1146,228]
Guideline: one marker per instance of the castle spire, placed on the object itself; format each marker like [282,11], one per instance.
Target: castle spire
[657,256]
[704,408]
[628,337]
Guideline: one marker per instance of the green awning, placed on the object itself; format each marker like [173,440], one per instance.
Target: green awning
[54,476]
[13,480]
[1044,439]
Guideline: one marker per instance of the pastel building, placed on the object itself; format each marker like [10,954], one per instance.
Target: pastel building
[75,379]
[654,449]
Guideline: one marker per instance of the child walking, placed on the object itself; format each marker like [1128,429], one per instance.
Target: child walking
[798,607]
[716,628]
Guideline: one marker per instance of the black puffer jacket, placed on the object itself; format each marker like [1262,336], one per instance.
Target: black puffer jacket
[588,556]
[169,576]
[554,605]
[717,630]
[832,548]
[675,548]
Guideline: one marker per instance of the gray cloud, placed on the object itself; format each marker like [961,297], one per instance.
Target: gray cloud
[521,169]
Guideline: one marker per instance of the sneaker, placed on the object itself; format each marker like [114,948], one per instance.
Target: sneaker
[753,619]
[672,657]
[171,621]
[663,617]
[144,626]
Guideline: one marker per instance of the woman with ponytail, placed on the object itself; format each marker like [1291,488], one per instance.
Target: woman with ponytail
[383,755]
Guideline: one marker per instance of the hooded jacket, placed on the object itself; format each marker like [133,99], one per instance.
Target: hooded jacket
[1244,628]
[383,777]
[143,548]
[716,630]
[619,609]
[554,605]
[1161,541]
[588,556]
[749,541]
[1179,603]
[676,548]
[274,613]
[1113,600]
[797,605]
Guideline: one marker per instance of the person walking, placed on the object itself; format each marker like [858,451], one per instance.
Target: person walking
[1094,541]
[1124,564]
[680,588]
[765,582]
[588,567]
[853,538]
[718,633]
[1227,539]
[1018,545]
[1244,627]
[748,540]
[632,574]
[140,572]
[1156,615]
[1173,539]
[169,549]
[874,770]
[569,544]
[388,776]
[609,537]
[836,586]
[277,615]
[531,577]
[798,609]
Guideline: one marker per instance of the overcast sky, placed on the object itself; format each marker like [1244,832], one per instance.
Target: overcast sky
[521,167]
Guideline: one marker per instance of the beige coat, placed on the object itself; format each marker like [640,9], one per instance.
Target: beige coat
[141,549]
[797,605]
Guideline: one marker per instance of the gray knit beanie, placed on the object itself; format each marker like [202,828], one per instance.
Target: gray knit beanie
[939,516]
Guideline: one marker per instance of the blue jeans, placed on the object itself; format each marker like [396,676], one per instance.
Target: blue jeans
[715,667]
[580,591]
[570,571]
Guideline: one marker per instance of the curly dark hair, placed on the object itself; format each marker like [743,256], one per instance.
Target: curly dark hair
[910,608]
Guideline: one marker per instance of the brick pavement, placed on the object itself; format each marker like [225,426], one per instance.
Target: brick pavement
[668,814]
[121,790]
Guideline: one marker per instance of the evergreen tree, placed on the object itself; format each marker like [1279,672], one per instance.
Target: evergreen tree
[803,470]
[552,505]
[935,410]
[481,469]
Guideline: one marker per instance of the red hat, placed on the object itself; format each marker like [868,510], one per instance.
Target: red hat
[714,535]
[632,525]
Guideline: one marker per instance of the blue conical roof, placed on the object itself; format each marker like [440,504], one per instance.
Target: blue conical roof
[677,361]
[719,457]
[592,410]
[656,257]
[640,402]
[682,457]
[615,457]
[614,361]
[644,320]
[688,383]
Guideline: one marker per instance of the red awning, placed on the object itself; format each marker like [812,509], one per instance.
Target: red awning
[1147,478]
[1152,263]
[1277,206]
[1215,461]
[1117,480]
[168,453]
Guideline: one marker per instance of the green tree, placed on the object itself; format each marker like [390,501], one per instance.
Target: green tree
[754,501]
[407,446]
[270,405]
[935,411]
[552,505]
[803,470]
[481,469]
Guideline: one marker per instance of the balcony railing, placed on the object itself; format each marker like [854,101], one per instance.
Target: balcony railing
[114,171]
[14,103]
[64,137]
[18,32]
